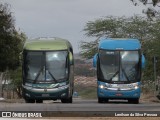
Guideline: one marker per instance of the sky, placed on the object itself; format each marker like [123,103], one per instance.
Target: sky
[66,18]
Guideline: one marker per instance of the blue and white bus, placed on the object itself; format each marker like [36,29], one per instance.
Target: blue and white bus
[119,64]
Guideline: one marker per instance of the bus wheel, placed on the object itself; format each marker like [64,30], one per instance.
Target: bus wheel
[101,100]
[67,100]
[29,100]
[106,100]
[134,101]
[39,101]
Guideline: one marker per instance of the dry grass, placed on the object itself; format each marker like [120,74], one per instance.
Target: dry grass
[149,97]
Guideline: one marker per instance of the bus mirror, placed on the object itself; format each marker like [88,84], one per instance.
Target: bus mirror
[70,58]
[143,61]
[95,60]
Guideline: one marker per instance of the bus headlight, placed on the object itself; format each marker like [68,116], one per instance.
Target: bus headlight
[63,86]
[135,85]
[101,86]
[105,86]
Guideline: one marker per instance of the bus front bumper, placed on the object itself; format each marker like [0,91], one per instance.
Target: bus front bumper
[118,94]
[46,94]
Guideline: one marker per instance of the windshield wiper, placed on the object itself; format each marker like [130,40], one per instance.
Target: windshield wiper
[38,75]
[125,74]
[35,80]
[54,79]
[114,75]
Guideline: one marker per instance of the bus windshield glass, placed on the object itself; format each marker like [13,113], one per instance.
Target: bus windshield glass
[46,66]
[119,65]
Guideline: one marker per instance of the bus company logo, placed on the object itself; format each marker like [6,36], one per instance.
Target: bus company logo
[119,89]
[6,114]
[45,89]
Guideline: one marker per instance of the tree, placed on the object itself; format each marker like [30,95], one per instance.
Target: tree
[83,69]
[107,27]
[112,27]
[146,2]
[16,76]
[150,11]
[11,42]
[148,32]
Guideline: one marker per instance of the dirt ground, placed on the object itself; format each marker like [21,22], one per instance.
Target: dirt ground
[149,98]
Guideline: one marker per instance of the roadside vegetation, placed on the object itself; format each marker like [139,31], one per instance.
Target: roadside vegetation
[86,92]
[11,44]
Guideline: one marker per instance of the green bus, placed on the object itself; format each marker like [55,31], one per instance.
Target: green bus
[48,68]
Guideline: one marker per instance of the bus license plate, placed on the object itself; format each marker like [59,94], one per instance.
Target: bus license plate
[118,94]
[45,95]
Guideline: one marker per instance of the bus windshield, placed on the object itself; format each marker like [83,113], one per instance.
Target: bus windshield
[46,66]
[119,65]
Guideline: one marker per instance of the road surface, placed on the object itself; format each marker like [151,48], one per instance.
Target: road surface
[83,108]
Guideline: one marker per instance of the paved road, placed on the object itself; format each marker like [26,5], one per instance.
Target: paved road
[83,108]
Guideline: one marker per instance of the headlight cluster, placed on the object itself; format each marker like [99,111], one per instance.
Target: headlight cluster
[27,86]
[101,86]
[135,85]
[104,86]
[132,86]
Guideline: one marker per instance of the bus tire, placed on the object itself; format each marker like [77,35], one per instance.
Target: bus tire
[67,100]
[106,100]
[134,101]
[29,100]
[100,100]
[39,101]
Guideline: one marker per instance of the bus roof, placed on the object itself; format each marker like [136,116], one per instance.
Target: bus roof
[119,44]
[47,44]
